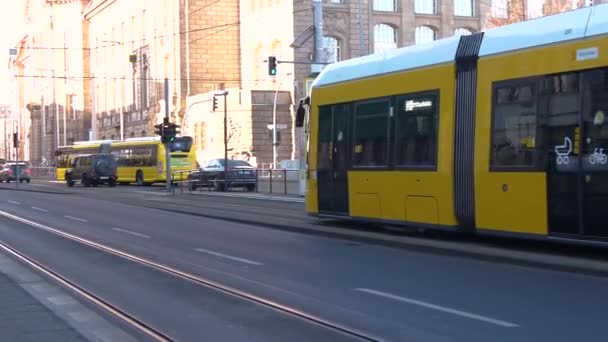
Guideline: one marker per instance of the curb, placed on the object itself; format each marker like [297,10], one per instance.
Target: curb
[268,197]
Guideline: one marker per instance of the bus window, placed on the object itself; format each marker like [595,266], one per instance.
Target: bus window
[181,144]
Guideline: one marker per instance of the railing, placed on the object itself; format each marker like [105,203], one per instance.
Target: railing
[43,172]
[280,181]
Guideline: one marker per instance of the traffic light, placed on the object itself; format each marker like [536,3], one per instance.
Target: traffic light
[214,103]
[15,139]
[164,130]
[171,132]
[272,66]
[158,129]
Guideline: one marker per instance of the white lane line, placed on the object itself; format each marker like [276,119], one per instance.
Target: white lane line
[132,233]
[75,218]
[40,209]
[14,202]
[439,308]
[221,255]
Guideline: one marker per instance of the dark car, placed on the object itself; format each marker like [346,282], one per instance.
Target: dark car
[9,172]
[240,174]
[92,170]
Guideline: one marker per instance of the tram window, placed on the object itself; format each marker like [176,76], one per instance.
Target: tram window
[324,147]
[370,143]
[514,126]
[416,131]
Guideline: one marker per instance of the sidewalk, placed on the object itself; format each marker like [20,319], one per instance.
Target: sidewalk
[23,318]
[32,309]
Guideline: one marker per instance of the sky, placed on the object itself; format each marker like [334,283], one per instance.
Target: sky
[11,18]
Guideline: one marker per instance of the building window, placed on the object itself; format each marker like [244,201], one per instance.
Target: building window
[416,130]
[385,38]
[462,31]
[371,134]
[514,125]
[425,7]
[332,48]
[384,5]
[464,8]
[500,8]
[424,34]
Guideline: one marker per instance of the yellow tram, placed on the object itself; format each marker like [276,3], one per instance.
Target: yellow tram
[502,131]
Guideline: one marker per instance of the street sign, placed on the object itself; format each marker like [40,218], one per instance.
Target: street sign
[279,126]
[13,52]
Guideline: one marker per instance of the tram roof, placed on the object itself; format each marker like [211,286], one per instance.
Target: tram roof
[571,25]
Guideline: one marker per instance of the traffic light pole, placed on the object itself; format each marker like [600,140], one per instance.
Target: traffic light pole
[167,143]
[16,143]
[225,142]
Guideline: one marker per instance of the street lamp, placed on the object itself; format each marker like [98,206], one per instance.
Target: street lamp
[122,91]
[274,123]
[224,93]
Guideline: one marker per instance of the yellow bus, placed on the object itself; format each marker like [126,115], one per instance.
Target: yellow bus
[140,160]
[64,153]
[500,132]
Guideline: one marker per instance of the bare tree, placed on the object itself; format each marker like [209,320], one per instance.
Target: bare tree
[516,11]
[559,6]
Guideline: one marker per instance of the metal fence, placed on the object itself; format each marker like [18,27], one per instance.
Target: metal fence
[281,181]
[277,181]
[43,172]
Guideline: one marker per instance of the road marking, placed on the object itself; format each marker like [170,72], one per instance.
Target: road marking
[221,255]
[151,192]
[75,218]
[14,202]
[61,300]
[132,233]
[439,308]
[40,209]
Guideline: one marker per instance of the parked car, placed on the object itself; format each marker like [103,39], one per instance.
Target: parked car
[92,170]
[9,172]
[239,174]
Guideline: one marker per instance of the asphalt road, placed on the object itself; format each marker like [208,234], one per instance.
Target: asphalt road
[394,294]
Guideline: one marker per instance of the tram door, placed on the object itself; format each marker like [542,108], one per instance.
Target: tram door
[576,111]
[332,178]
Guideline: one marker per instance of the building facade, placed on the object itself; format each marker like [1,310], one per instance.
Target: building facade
[51,75]
[134,46]
[223,48]
[95,69]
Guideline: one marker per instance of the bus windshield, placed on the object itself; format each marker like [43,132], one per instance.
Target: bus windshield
[181,144]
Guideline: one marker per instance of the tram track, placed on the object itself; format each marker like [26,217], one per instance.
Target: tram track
[99,302]
[142,326]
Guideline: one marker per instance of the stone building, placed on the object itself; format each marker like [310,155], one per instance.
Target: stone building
[134,46]
[50,64]
[223,49]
